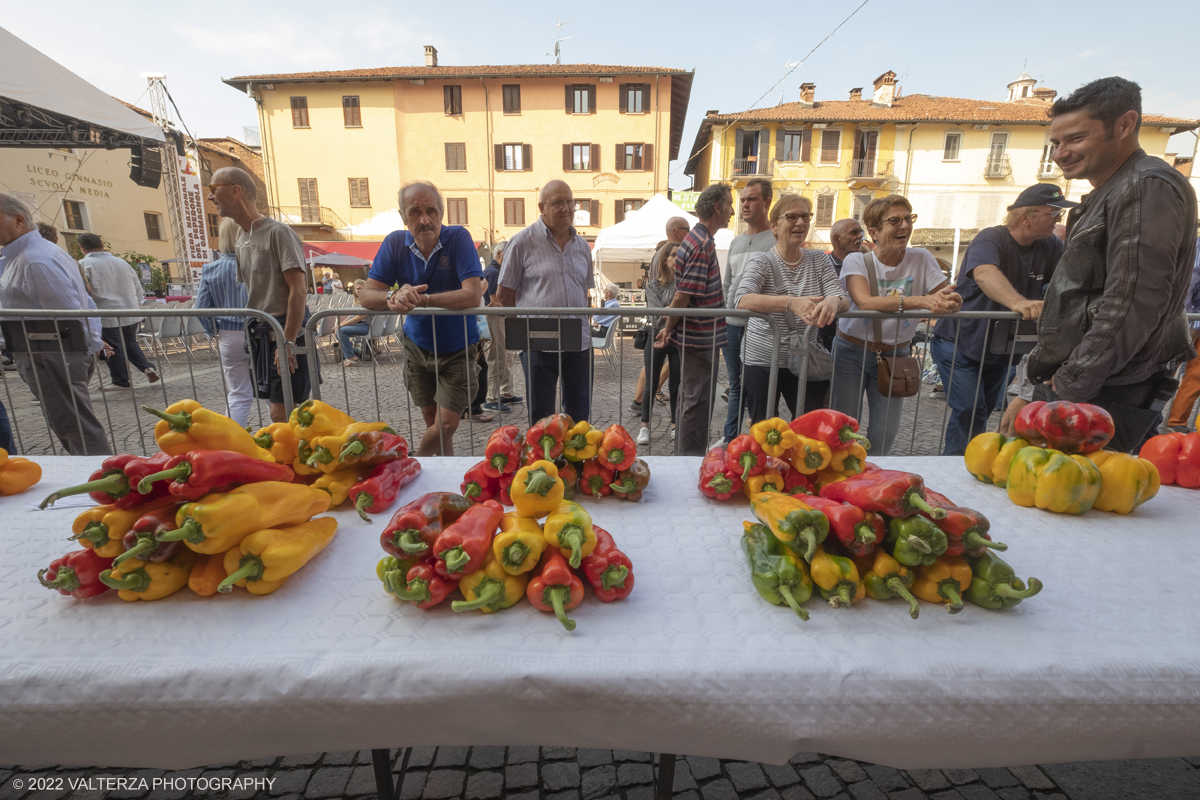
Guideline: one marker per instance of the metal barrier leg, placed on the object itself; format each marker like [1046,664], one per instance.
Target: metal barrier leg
[665,780]
[382,761]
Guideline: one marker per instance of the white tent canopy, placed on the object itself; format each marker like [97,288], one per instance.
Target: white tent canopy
[28,76]
[620,249]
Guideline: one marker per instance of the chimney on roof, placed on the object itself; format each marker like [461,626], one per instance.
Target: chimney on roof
[807,92]
[885,89]
[430,56]
[856,94]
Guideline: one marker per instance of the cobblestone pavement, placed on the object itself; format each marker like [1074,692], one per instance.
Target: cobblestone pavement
[564,773]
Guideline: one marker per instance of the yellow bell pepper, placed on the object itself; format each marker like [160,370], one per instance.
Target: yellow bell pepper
[325,449]
[280,440]
[774,436]
[207,574]
[337,484]
[827,476]
[218,522]
[797,525]
[569,528]
[944,581]
[17,474]
[849,461]
[1053,481]
[809,455]
[581,442]
[989,456]
[1125,481]
[151,580]
[186,426]
[519,544]
[490,589]
[102,528]
[537,490]
[837,579]
[313,418]
[303,453]
[767,481]
[267,558]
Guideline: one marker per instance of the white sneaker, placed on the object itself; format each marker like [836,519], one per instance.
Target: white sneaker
[672,434]
[721,443]
[643,436]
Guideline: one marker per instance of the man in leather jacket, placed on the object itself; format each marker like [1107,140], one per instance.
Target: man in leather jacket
[1112,321]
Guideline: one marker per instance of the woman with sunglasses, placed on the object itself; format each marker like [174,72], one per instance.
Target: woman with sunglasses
[908,279]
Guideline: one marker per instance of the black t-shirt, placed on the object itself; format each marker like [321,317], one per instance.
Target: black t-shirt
[1027,269]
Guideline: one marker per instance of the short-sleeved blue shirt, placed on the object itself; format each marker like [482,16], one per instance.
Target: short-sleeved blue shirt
[453,260]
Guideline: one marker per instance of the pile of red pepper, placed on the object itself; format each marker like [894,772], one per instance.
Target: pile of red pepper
[589,461]
[444,542]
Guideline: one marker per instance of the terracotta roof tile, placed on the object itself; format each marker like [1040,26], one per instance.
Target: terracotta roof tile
[501,70]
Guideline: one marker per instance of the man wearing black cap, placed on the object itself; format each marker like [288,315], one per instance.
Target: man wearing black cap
[1112,323]
[1005,268]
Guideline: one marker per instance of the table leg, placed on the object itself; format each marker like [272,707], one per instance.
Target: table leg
[382,761]
[665,782]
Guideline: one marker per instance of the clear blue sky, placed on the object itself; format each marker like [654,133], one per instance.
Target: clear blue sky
[738,51]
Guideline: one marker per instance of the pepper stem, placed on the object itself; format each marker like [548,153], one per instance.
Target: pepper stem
[949,590]
[180,473]
[514,555]
[916,501]
[178,422]
[473,489]
[864,533]
[94,532]
[558,595]
[250,568]
[810,543]
[613,577]
[488,595]
[626,486]
[146,545]
[849,435]
[189,531]
[304,415]
[547,444]
[64,579]
[842,595]
[576,442]
[136,581]
[897,586]
[265,441]
[455,559]
[499,462]
[748,460]
[851,464]
[720,484]
[572,536]
[361,503]
[410,541]
[355,448]
[812,460]
[974,540]
[616,456]
[1006,590]
[917,543]
[539,482]
[321,455]
[786,593]
[115,485]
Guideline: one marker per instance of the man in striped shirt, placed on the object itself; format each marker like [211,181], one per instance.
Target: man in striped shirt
[698,276]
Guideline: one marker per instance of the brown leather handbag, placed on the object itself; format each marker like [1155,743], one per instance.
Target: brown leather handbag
[899,376]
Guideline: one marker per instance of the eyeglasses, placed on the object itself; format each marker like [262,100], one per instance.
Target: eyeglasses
[896,222]
[560,205]
[793,218]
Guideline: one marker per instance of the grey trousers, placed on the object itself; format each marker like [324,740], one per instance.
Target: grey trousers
[499,362]
[61,391]
[698,384]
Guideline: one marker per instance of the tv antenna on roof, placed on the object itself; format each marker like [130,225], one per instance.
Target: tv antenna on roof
[558,26]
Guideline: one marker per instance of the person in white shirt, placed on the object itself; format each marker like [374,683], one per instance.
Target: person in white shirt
[112,283]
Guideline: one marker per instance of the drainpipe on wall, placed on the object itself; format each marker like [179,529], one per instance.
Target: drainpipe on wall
[487,109]
[657,128]
[908,159]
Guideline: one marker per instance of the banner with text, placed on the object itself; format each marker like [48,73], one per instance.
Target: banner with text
[191,200]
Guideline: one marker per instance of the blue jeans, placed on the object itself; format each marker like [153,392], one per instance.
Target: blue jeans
[541,382]
[851,380]
[6,436]
[347,331]
[975,385]
[733,369]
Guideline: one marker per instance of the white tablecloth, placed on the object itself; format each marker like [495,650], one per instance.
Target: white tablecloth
[1105,663]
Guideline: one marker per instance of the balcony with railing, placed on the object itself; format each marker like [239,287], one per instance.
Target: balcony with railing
[751,165]
[313,216]
[865,171]
[1048,169]
[997,166]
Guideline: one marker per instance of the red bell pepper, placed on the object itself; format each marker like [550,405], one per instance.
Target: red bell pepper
[76,574]
[617,449]
[140,541]
[966,529]
[748,454]
[884,491]
[556,589]
[464,545]
[857,531]
[506,482]
[547,435]
[414,527]
[478,485]
[595,478]
[797,484]
[192,475]
[568,472]
[371,448]
[115,483]
[503,452]
[529,454]
[607,569]
[421,586]
[1068,427]
[378,490]
[1176,456]
[831,427]
[720,476]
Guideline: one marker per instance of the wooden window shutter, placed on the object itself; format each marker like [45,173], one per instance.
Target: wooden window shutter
[764,152]
[498,155]
[568,162]
[354,191]
[620,157]
[527,156]
[623,98]
[364,192]
[595,158]
[619,213]
[858,137]
[592,99]
[737,143]
[449,156]
[570,98]
[806,145]
[595,214]
[648,157]
[448,98]
[780,136]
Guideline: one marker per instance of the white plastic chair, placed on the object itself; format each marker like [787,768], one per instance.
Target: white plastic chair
[605,345]
[378,322]
[171,329]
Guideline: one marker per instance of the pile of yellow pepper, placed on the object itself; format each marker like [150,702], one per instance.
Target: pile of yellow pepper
[17,474]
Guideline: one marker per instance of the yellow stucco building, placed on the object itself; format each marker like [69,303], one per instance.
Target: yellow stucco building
[960,162]
[338,146]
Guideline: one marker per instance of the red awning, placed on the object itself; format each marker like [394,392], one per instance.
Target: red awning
[365,250]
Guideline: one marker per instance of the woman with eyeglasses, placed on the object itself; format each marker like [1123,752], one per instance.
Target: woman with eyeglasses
[801,291]
[908,279]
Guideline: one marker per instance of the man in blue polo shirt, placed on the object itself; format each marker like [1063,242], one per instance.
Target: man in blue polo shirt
[431,266]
